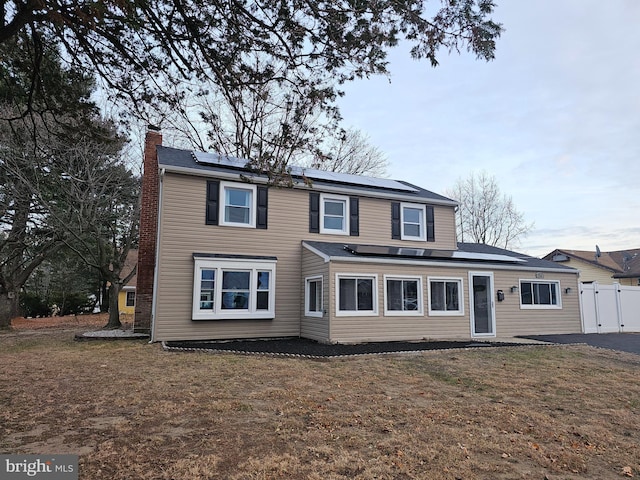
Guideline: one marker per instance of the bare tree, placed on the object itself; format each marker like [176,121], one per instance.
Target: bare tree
[273,125]
[48,161]
[485,215]
[103,223]
[81,196]
[26,238]
[155,51]
[352,152]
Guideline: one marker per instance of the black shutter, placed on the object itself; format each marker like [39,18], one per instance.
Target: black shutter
[395,220]
[354,216]
[314,212]
[263,197]
[213,191]
[431,233]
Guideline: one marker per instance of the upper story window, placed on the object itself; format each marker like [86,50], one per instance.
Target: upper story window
[539,294]
[413,221]
[226,288]
[334,214]
[238,206]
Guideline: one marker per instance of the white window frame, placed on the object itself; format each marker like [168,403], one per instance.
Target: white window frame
[423,224]
[219,265]
[374,295]
[534,306]
[336,198]
[224,186]
[407,313]
[447,313]
[128,294]
[307,290]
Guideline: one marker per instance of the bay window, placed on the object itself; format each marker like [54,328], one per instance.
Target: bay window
[233,288]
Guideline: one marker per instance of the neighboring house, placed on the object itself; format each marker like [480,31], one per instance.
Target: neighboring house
[621,266]
[127,295]
[336,258]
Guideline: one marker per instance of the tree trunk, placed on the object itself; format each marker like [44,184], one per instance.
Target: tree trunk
[114,314]
[7,310]
[104,297]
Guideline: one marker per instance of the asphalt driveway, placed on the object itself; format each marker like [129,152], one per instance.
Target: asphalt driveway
[623,342]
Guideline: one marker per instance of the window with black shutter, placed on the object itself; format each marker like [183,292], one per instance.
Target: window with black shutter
[354,216]
[263,197]
[395,220]
[431,233]
[213,193]
[314,212]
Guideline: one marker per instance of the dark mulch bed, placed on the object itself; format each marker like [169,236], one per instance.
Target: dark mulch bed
[309,348]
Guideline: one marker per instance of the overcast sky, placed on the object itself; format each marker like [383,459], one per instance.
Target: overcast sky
[555,117]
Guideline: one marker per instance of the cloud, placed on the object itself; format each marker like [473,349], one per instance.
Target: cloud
[580,237]
[554,117]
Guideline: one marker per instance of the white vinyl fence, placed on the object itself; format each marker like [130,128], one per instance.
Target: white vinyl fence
[609,308]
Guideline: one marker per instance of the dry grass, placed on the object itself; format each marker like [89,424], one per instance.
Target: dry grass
[92,322]
[133,411]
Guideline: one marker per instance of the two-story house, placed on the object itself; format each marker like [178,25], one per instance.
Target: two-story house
[334,258]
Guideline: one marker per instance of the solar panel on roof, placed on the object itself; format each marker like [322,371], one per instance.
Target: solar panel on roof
[486,256]
[335,177]
[386,251]
[348,178]
[378,250]
[219,160]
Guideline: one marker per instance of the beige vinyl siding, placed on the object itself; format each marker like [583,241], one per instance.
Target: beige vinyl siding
[375,226]
[511,320]
[594,273]
[315,328]
[354,329]
[591,273]
[183,232]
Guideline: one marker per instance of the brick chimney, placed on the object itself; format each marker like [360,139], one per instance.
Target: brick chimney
[148,232]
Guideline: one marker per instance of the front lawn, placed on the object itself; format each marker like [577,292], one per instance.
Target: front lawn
[134,411]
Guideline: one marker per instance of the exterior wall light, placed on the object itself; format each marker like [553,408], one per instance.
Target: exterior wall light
[567,290]
[514,289]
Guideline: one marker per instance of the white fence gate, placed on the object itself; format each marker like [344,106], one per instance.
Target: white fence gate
[609,308]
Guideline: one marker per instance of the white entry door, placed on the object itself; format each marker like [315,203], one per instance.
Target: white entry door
[483,320]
